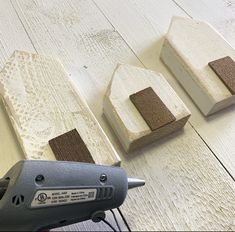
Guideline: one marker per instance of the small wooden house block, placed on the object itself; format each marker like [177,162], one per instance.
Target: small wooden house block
[44,108]
[142,107]
[203,63]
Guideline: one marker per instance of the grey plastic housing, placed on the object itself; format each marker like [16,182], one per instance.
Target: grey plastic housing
[57,175]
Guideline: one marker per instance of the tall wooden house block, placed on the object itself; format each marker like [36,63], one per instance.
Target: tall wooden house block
[203,63]
[43,104]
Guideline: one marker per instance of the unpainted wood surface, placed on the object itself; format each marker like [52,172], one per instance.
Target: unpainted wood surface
[187,188]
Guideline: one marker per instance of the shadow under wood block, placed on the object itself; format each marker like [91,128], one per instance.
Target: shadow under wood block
[141,107]
[198,57]
[42,104]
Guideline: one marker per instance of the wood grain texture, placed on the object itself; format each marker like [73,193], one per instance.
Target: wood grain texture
[130,127]
[179,193]
[12,36]
[183,190]
[188,61]
[149,22]
[225,70]
[80,36]
[152,109]
[42,104]
[219,13]
[70,147]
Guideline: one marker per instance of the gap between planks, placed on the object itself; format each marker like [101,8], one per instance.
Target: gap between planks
[178,5]
[30,39]
[114,28]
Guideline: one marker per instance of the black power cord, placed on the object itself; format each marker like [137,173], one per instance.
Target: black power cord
[107,223]
[124,220]
[100,216]
[115,218]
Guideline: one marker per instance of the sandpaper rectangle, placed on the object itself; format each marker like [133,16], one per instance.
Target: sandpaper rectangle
[70,147]
[225,70]
[153,110]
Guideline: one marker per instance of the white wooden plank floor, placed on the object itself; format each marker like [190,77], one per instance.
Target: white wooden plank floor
[190,175]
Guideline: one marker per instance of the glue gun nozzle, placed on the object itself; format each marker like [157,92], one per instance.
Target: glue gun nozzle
[134,183]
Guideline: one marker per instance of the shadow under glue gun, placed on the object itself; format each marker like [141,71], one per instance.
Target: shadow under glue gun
[40,195]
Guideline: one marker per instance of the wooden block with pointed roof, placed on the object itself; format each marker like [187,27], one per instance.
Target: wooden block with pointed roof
[154,102]
[42,104]
[190,46]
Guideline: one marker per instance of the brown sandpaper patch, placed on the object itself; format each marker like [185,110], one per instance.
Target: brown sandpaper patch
[70,147]
[153,110]
[225,70]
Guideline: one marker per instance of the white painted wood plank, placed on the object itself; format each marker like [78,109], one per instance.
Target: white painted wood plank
[43,104]
[182,190]
[179,193]
[78,34]
[12,36]
[141,26]
[219,13]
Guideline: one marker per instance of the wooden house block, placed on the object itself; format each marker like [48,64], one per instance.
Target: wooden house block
[142,107]
[42,104]
[190,51]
